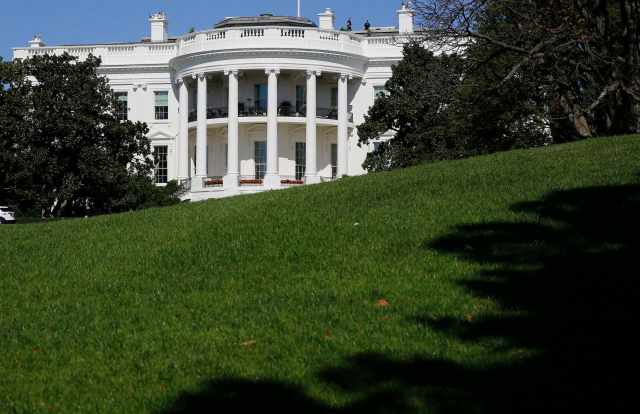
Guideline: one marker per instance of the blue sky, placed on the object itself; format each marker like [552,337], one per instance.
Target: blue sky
[94,21]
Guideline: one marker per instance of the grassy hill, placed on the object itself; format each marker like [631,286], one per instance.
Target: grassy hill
[495,284]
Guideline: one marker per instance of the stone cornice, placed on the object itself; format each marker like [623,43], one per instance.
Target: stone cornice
[131,69]
[223,61]
[383,62]
[182,63]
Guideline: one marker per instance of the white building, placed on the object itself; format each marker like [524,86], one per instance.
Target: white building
[254,104]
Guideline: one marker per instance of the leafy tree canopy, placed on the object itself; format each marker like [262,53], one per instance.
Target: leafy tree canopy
[63,150]
[415,106]
[528,73]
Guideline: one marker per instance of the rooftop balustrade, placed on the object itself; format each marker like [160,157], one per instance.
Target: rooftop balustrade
[282,37]
[225,39]
[122,54]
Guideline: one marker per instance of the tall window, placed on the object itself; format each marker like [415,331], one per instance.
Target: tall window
[334,97]
[162,105]
[161,171]
[195,159]
[260,97]
[260,156]
[301,98]
[334,160]
[226,158]
[301,160]
[122,106]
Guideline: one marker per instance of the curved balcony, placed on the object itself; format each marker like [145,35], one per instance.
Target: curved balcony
[221,113]
[271,38]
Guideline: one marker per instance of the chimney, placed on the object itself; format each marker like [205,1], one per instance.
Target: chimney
[405,17]
[159,27]
[36,41]
[327,20]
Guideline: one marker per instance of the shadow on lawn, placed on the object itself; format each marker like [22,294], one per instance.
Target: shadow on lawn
[569,268]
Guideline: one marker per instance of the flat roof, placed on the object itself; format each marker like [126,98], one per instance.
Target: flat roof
[265,20]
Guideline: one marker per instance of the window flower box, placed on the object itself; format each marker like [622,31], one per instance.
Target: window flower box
[292,182]
[214,182]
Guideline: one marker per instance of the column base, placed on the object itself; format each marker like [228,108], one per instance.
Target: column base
[197,183]
[231,181]
[312,179]
[272,181]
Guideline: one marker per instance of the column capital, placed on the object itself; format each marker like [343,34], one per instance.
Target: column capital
[199,75]
[343,76]
[317,73]
[233,72]
[179,81]
[269,71]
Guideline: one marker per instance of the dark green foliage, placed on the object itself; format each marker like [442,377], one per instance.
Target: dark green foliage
[532,73]
[64,151]
[142,195]
[576,61]
[416,107]
[509,281]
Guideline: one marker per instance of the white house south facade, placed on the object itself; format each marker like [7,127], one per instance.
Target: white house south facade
[254,104]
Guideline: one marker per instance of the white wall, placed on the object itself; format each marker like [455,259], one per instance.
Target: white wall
[140,90]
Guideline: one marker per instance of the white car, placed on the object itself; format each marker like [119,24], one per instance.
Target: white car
[6,215]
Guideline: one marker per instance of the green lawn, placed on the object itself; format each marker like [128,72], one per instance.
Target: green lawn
[504,283]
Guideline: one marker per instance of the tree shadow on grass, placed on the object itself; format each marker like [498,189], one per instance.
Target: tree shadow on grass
[569,274]
[243,396]
[566,276]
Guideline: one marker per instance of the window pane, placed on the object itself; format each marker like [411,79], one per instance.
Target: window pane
[121,106]
[226,158]
[379,91]
[161,170]
[162,98]
[334,97]
[260,97]
[301,160]
[301,98]
[334,160]
[260,156]
[162,105]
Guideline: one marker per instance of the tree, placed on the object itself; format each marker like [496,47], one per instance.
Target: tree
[416,107]
[581,58]
[66,152]
[12,108]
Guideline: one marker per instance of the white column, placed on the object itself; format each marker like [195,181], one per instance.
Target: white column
[272,178]
[201,139]
[343,126]
[183,136]
[311,173]
[233,161]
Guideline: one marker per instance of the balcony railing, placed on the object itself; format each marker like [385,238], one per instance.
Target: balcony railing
[272,36]
[286,111]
